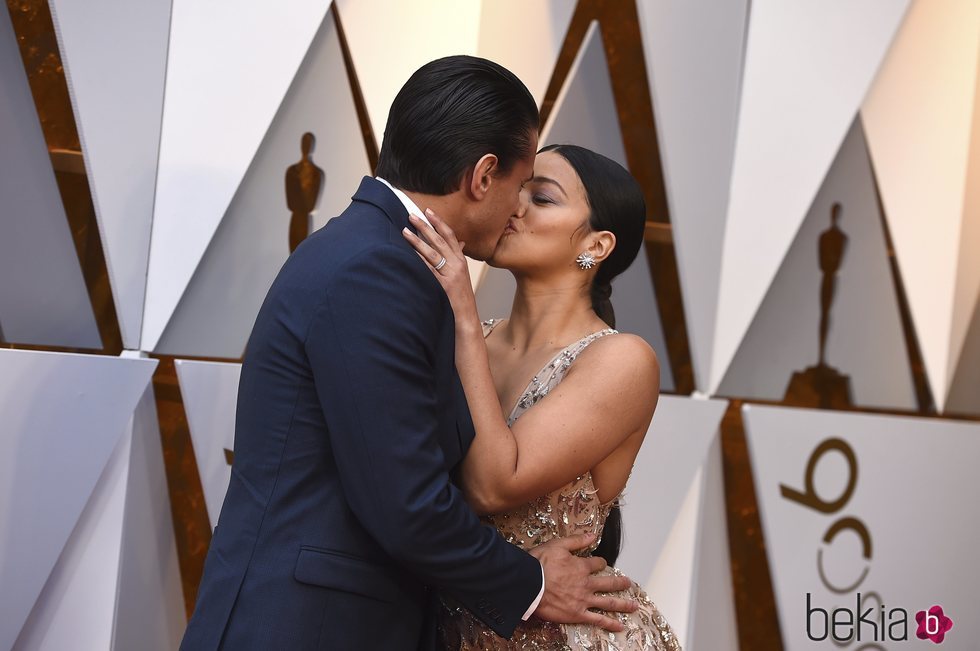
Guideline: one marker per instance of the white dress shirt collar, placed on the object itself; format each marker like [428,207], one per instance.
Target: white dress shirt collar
[408,203]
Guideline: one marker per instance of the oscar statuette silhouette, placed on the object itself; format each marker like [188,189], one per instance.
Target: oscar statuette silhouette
[823,385]
[304,181]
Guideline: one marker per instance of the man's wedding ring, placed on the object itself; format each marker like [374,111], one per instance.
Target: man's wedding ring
[442,263]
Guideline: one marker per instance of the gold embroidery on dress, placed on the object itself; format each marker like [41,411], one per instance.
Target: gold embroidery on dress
[574,508]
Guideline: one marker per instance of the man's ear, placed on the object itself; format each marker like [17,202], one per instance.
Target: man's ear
[481,176]
[603,243]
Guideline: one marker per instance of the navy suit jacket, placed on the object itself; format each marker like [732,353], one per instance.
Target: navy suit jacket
[340,518]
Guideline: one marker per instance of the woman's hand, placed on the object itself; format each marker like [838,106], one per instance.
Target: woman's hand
[438,246]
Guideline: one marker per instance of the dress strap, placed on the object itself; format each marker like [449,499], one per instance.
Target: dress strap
[553,372]
[580,345]
[489,325]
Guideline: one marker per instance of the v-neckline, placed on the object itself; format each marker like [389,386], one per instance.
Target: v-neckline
[527,387]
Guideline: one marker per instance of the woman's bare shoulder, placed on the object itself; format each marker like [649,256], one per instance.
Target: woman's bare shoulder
[623,363]
[621,349]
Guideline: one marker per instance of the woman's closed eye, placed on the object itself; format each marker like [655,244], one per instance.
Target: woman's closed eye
[541,199]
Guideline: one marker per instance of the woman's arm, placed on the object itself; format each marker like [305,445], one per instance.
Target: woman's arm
[594,410]
[492,458]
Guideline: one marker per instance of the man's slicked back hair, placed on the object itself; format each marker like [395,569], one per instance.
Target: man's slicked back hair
[448,115]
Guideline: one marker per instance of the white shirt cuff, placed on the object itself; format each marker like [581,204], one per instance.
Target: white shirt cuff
[537,600]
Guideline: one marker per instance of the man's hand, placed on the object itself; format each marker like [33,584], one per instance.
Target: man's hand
[571,586]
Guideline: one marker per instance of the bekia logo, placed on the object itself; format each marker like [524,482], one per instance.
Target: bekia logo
[869,624]
[933,624]
[863,624]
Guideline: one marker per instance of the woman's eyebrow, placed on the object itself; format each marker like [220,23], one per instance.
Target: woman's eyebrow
[545,179]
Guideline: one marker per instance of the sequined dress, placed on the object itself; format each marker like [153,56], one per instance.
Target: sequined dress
[572,509]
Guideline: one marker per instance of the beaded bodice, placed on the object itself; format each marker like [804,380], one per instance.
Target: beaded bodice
[572,509]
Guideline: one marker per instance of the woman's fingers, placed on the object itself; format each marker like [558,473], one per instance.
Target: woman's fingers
[428,253]
[430,234]
[442,227]
[423,233]
[444,254]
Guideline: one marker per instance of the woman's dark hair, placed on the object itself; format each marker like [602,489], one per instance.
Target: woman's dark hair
[616,205]
[447,116]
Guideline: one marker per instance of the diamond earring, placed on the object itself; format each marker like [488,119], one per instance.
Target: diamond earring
[585,260]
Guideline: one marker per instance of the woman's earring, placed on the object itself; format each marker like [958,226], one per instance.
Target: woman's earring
[585,260]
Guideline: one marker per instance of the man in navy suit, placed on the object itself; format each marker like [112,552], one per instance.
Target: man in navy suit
[341,520]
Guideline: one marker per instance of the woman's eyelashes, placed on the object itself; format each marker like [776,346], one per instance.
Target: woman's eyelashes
[541,199]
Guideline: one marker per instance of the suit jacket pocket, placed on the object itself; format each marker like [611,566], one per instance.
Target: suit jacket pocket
[342,571]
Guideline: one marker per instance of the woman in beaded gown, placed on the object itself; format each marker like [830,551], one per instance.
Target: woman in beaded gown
[560,400]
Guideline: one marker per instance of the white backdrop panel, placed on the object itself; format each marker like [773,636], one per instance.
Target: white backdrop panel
[964,390]
[149,612]
[918,124]
[807,68]
[539,26]
[229,66]
[43,298]
[117,584]
[691,580]
[671,584]
[713,626]
[115,57]
[390,40]
[865,339]
[694,52]
[210,394]
[75,609]
[966,300]
[675,447]
[585,112]
[635,303]
[215,314]
[908,488]
[63,415]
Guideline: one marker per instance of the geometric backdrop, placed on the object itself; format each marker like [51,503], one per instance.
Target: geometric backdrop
[214,315]
[813,238]
[784,336]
